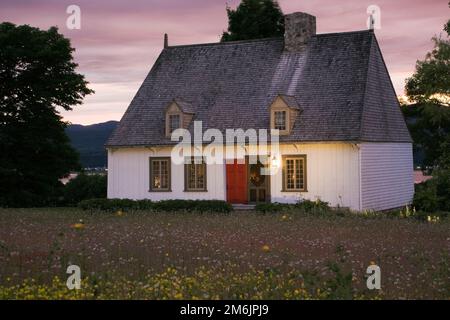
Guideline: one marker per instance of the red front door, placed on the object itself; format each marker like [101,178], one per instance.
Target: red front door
[236,182]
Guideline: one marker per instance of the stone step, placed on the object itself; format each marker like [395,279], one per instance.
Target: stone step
[243,207]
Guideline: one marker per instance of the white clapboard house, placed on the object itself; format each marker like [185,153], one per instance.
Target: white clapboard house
[342,139]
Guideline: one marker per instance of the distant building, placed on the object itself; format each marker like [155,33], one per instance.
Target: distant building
[66,180]
[419,177]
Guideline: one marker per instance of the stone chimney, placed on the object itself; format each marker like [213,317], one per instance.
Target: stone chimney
[299,28]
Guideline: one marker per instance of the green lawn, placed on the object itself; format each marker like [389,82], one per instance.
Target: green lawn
[240,255]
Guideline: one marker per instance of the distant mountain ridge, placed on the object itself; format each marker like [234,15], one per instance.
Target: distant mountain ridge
[89,141]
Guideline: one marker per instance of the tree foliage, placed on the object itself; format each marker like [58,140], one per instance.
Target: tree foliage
[429,88]
[254,19]
[430,84]
[434,195]
[447,25]
[85,187]
[37,76]
[429,125]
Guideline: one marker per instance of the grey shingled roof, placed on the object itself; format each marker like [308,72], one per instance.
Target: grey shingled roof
[290,101]
[340,82]
[186,107]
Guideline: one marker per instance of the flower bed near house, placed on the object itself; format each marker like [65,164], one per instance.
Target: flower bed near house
[164,205]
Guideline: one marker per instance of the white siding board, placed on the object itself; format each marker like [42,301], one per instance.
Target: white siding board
[129,177]
[386,175]
[332,175]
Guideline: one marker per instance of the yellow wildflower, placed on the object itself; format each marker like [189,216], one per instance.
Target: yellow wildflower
[119,213]
[265,248]
[78,226]
[178,296]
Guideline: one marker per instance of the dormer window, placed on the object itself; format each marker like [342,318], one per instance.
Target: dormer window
[283,112]
[174,122]
[280,120]
[179,114]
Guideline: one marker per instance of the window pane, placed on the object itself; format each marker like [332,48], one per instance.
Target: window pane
[155,174]
[290,174]
[301,176]
[191,176]
[196,176]
[298,173]
[160,174]
[280,120]
[164,174]
[174,122]
[295,174]
[200,168]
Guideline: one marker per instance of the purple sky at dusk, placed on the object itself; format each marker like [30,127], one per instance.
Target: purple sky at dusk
[120,40]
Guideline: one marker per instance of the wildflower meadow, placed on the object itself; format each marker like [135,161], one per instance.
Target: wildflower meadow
[237,255]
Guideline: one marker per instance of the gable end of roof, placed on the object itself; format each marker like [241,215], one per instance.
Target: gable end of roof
[381,119]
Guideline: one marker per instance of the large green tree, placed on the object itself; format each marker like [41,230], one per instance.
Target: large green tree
[429,90]
[430,84]
[429,125]
[37,76]
[254,19]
